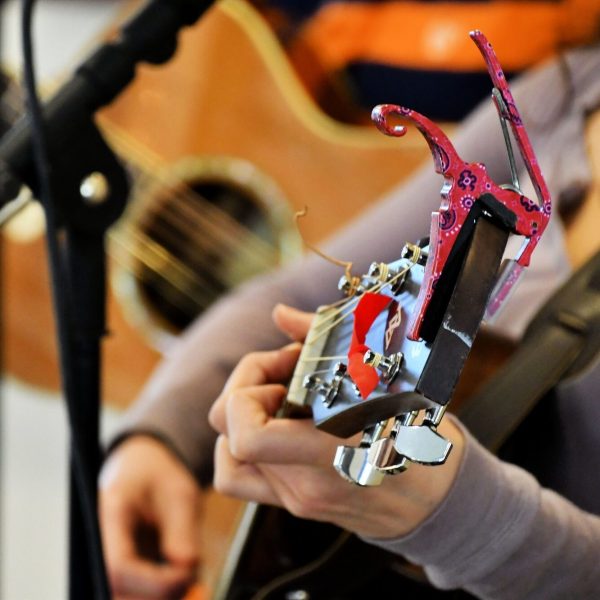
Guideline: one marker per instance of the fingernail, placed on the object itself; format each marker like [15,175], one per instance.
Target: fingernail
[292,347]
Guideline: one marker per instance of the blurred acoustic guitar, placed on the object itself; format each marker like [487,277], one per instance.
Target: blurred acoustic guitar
[224,144]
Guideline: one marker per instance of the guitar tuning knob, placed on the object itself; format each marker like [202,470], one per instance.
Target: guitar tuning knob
[384,457]
[379,271]
[367,464]
[377,456]
[388,366]
[422,444]
[416,252]
[353,464]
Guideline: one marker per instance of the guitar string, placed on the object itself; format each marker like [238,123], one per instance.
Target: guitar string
[189,217]
[159,260]
[211,214]
[223,232]
[354,300]
[186,222]
[344,340]
[216,220]
[154,256]
[168,270]
[319,372]
[316,359]
[185,279]
[213,220]
[180,277]
[378,287]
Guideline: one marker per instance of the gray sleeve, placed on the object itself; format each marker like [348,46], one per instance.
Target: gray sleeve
[174,404]
[499,535]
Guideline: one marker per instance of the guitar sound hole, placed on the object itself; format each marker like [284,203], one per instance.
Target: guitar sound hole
[201,241]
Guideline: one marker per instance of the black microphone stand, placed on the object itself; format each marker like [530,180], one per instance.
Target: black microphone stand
[91,188]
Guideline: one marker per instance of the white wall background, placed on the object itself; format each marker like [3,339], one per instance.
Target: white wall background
[33,493]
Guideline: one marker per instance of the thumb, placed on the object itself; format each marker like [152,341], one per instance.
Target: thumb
[291,321]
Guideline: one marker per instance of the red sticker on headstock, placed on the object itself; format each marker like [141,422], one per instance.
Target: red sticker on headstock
[367,310]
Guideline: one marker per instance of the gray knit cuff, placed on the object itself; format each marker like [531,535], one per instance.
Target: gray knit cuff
[485,517]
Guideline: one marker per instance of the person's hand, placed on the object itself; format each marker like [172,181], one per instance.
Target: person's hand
[149,510]
[288,463]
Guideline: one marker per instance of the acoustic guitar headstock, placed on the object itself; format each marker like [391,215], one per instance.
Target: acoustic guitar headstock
[358,372]
[386,360]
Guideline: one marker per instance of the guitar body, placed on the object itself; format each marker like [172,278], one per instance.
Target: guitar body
[284,556]
[287,558]
[229,100]
[230,92]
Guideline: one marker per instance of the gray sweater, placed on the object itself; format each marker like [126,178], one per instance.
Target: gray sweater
[498,534]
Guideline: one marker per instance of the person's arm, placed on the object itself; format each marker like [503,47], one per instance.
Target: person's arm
[174,405]
[475,523]
[553,101]
[500,535]
[175,401]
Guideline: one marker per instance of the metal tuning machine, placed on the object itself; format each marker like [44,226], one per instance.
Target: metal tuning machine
[328,390]
[379,455]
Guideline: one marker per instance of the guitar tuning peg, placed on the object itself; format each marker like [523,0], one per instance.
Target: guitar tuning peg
[368,465]
[388,366]
[352,463]
[329,390]
[350,286]
[376,457]
[415,253]
[382,273]
[422,444]
[384,457]
[379,271]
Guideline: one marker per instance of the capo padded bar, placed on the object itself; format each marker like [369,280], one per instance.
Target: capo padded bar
[487,205]
[465,311]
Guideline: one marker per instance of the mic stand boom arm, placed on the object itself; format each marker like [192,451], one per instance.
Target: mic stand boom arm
[150,36]
[83,210]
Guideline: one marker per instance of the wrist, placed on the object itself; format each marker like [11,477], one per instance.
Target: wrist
[407,500]
[488,511]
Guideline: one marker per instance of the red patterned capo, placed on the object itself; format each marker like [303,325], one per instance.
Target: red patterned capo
[465,183]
